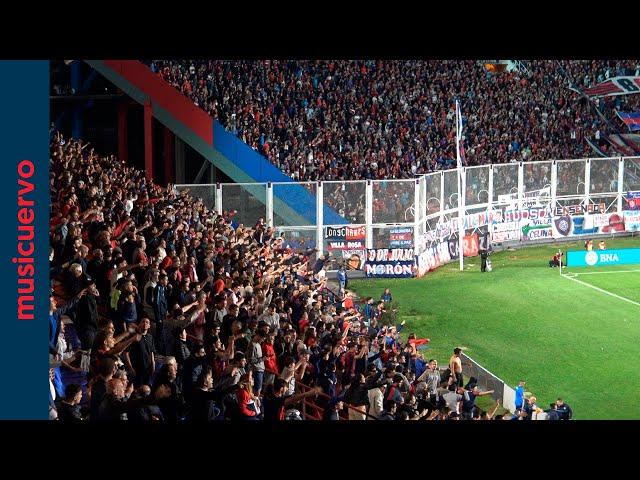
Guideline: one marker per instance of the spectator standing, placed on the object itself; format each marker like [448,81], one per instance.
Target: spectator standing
[141,358]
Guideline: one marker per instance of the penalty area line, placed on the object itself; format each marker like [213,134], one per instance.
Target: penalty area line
[600,289]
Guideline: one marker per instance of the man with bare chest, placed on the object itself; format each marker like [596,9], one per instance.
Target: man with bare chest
[455,365]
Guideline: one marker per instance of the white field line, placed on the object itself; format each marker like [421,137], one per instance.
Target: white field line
[600,289]
[602,273]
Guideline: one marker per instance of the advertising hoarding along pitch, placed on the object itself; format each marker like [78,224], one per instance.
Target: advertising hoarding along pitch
[603,257]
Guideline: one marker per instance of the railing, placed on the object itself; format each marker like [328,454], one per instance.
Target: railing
[427,200]
[488,381]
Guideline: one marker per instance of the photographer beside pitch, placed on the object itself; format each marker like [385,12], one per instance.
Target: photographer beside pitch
[556,260]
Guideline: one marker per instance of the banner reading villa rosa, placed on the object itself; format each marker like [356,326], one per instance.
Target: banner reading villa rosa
[24,136]
[390,263]
[346,237]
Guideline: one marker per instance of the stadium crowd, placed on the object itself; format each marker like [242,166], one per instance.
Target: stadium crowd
[348,120]
[162,310]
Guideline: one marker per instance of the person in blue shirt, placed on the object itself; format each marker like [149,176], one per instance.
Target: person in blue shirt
[342,278]
[368,309]
[386,296]
[55,317]
[520,395]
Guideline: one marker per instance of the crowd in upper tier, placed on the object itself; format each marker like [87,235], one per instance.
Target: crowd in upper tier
[348,120]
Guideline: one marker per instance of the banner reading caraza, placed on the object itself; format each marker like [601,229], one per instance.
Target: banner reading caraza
[390,263]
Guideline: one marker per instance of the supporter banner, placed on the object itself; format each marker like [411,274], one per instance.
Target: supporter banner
[530,198]
[614,86]
[603,257]
[345,237]
[401,237]
[505,231]
[528,213]
[568,226]
[536,229]
[596,148]
[631,120]
[446,228]
[435,256]
[390,263]
[454,248]
[470,245]
[562,210]
[631,220]
[632,201]
[627,144]
[354,259]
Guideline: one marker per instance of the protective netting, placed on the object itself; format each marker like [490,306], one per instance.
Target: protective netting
[536,176]
[394,201]
[505,180]
[206,192]
[604,175]
[249,201]
[432,192]
[631,174]
[347,199]
[450,189]
[570,177]
[477,185]
[294,204]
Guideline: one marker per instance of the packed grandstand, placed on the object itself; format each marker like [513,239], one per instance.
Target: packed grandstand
[164,310]
[348,120]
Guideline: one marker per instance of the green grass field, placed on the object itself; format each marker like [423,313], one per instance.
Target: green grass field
[524,320]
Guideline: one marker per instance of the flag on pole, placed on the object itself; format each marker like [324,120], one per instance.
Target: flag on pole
[460,148]
[631,120]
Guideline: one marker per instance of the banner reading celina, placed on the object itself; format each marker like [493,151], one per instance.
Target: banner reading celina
[390,263]
[596,258]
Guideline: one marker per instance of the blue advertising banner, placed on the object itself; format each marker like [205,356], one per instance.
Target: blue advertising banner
[603,257]
[24,135]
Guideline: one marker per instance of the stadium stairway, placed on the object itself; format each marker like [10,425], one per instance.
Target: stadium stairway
[207,136]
